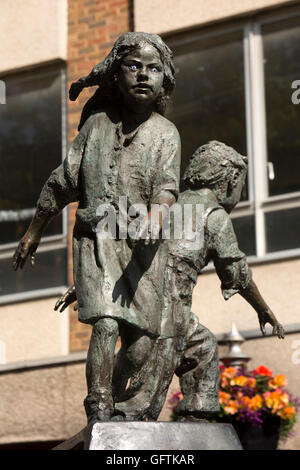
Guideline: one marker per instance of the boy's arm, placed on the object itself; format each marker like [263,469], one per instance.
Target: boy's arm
[153,223]
[165,188]
[233,270]
[265,314]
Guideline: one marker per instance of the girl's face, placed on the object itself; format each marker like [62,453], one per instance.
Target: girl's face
[141,75]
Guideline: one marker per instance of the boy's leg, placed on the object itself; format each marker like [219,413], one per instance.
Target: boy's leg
[198,372]
[99,370]
[151,364]
[130,378]
[134,352]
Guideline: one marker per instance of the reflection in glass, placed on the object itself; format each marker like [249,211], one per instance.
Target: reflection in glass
[209,102]
[13,231]
[30,146]
[49,271]
[282,67]
[244,228]
[282,229]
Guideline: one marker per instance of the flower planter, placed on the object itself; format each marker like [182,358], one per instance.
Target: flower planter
[256,403]
[259,438]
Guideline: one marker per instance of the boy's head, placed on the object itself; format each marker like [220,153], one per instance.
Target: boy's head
[220,168]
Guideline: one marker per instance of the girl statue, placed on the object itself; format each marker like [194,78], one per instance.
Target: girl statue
[125,149]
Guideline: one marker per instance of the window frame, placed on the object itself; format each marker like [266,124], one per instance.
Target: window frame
[258,151]
[51,242]
[259,202]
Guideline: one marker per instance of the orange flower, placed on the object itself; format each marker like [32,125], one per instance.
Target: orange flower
[276,400]
[252,403]
[224,382]
[224,397]
[231,408]
[262,370]
[284,398]
[278,381]
[256,402]
[251,382]
[229,372]
[245,402]
[287,412]
[240,381]
[272,400]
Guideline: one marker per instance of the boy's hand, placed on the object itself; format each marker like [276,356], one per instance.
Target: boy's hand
[149,232]
[268,316]
[66,299]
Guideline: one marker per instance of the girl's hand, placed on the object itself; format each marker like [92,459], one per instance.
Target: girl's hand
[27,246]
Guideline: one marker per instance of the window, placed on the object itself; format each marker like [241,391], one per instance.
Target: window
[31,145]
[234,84]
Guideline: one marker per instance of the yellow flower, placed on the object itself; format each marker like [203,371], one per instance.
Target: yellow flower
[287,413]
[276,400]
[240,381]
[284,398]
[278,381]
[231,408]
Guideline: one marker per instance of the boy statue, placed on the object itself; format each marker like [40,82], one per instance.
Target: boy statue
[214,179]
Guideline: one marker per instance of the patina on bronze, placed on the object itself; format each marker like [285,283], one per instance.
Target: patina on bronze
[141,289]
[214,179]
[125,147]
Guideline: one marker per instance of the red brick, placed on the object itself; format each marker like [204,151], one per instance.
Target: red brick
[93,27]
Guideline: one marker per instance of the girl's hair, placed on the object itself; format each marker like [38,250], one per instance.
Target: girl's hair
[212,164]
[104,74]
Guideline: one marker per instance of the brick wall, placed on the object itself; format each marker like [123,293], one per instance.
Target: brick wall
[93,27]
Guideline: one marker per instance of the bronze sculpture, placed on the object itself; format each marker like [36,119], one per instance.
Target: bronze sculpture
[215,179]
[140,288]
[116,155]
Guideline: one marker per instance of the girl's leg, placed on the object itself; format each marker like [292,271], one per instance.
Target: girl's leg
[99,370]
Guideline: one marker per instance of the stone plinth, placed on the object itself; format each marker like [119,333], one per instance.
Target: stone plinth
[162,436]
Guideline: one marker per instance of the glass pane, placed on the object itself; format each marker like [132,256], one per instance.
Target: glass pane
[209,102]
[13,231]
[244,228]
[282,67]
[282,229]
[30,147]
[49,271]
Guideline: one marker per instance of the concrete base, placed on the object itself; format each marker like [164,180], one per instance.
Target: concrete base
[141,435]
